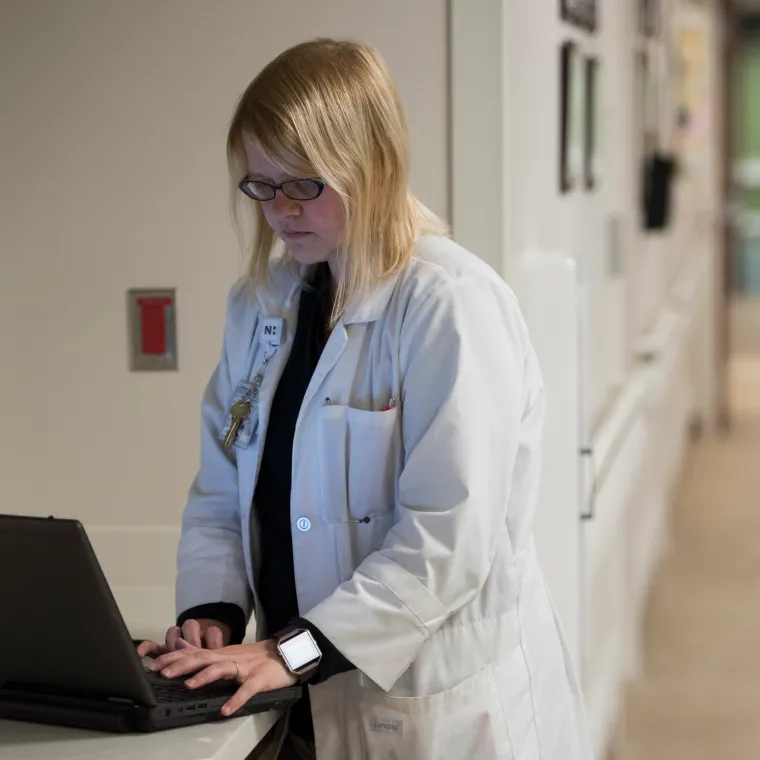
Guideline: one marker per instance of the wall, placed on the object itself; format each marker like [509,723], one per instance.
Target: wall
[113,130]
[506,143]
[543,218]
[480,126]
[625,270]
[700,206]
[626,385]
[506,147]
[672,286]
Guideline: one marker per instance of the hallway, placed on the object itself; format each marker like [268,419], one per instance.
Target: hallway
[699,698]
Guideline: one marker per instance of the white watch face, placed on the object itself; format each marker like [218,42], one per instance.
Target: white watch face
[300,650]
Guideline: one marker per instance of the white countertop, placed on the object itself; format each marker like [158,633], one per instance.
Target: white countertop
[231,739]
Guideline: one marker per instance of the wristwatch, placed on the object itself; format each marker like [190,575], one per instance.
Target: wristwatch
[299,652]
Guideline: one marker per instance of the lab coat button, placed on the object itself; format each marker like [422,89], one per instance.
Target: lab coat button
[303,524]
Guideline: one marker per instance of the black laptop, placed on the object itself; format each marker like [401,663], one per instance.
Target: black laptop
[66,656]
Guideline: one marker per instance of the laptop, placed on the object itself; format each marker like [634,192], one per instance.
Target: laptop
[66,656]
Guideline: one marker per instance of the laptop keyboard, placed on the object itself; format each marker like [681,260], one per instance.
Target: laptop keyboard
[176,691]
[179,693]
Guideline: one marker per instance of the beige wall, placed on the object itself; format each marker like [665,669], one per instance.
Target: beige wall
[113,131]
[113,176]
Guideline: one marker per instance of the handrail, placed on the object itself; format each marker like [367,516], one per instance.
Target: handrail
[612,433]
[654,359]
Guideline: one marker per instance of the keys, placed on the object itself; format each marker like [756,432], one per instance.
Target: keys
[240,411]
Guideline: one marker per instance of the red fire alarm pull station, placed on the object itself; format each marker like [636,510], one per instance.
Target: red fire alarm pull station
[152,317]
[153,325]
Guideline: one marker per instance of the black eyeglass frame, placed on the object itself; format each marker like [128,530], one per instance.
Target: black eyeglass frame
[282,187]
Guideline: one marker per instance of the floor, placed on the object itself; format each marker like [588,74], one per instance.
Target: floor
[699,698]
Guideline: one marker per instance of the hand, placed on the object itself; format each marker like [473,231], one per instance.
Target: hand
[202,633]
[256,667]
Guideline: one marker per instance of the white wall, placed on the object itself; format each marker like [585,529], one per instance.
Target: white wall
[506,145]
[112,154]
[506,157]
[543,218]
[701,211]
[633,414]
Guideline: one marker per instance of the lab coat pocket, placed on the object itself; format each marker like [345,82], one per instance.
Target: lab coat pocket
[358,464]
[464,722]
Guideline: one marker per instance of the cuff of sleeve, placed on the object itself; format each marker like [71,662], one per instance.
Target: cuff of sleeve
[380,618]
[225,612]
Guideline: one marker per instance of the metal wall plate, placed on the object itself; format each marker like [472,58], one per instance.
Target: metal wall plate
[152,320]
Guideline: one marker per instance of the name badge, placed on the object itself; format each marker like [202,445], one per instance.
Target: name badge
[272,331]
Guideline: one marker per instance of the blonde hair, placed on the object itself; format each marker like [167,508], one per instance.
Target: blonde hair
[329,108]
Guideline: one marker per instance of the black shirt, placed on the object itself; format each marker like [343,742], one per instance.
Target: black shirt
[277,587]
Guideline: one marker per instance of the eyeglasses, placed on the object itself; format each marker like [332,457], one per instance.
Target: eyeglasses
[295,189]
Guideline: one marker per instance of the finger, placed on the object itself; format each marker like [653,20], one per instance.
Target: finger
[149,649]
[217,671]
[191,663]
[170,658]
[171,637]
[249,689]
[214,638]
[191,632]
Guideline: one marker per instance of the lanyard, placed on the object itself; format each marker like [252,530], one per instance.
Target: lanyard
[243,418]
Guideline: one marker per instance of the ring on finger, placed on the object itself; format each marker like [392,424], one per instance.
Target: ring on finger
[237,668]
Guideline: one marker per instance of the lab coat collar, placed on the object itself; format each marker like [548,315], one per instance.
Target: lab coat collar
[286,282]
[372,306]
[286,278]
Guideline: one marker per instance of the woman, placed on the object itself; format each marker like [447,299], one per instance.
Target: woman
[370,453]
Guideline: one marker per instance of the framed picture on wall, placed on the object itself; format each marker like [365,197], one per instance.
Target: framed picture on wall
[647,100]
[649,17]
[572,116]
[582,13]
[592,153]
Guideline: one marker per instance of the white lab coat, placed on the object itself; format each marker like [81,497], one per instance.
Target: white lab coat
[412,536]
